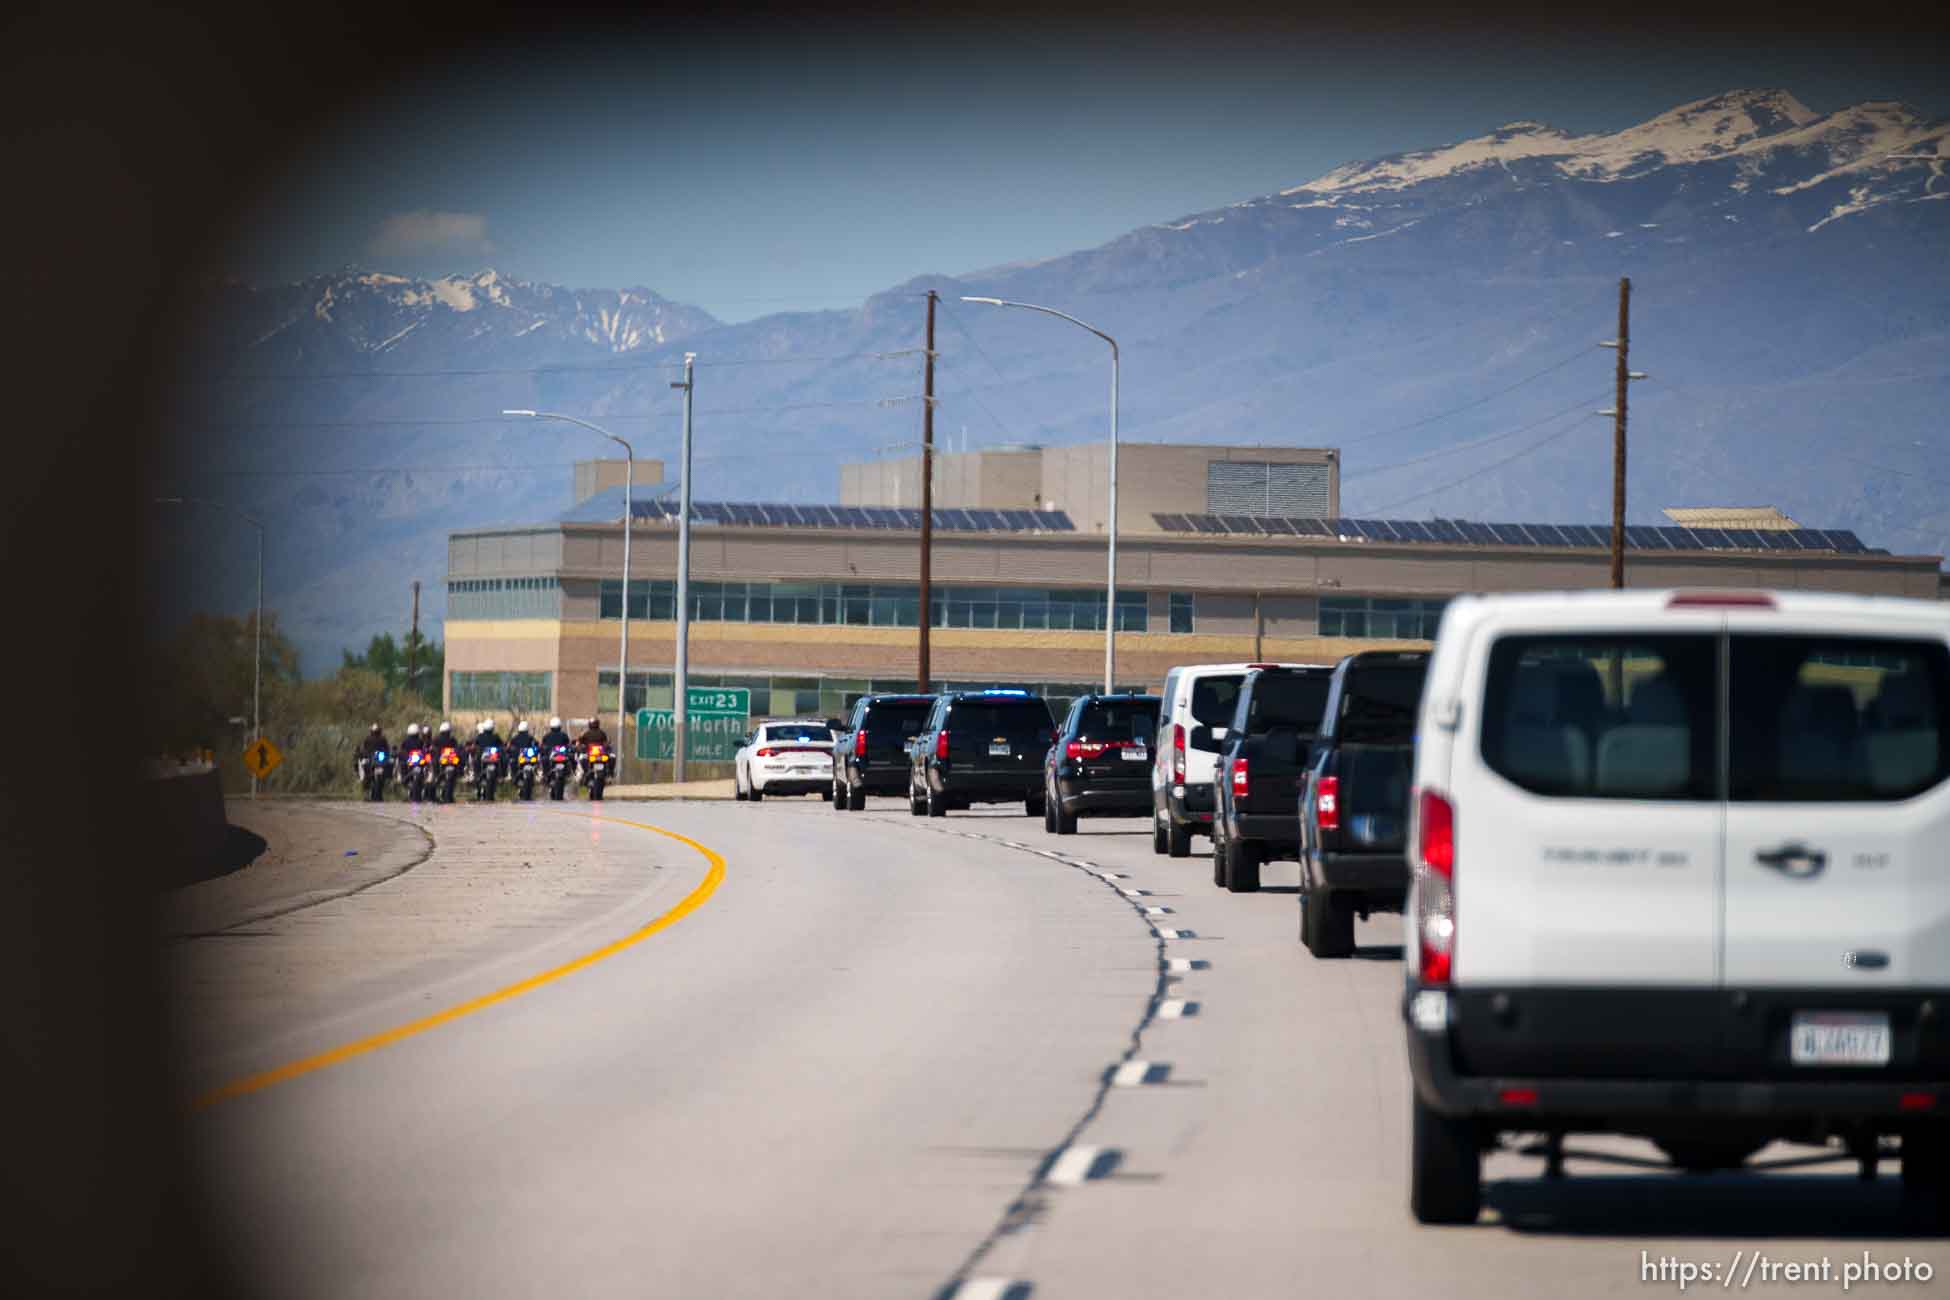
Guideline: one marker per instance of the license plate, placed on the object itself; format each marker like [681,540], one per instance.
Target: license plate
[999,749]
[1136,756]
[1840,1038]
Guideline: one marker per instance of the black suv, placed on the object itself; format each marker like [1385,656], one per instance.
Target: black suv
[980,747]
[870,753]
[1100,762]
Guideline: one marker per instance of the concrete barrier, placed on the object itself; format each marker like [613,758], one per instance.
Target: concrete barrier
[182,812]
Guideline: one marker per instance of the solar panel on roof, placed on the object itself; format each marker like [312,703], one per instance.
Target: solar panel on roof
[1411,530]
[1875,550]
[1172,523]
[1644,539]
[1508,534]
[1712,539]
[1206,523]
[1377,530]
[1807,539]
[1745,539]
[1057,521]
[1845,542]
[1777,540]
[1477,534]
[957,520]
[1239,524]
[1441,530]
[1308,525]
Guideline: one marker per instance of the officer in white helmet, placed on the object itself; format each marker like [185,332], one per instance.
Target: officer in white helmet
[554,735]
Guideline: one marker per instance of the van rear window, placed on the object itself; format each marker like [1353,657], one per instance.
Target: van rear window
[1214,699]
[1288,701]
[1604,717]
[1822,720]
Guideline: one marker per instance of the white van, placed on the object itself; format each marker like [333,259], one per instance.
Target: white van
[1680,869]
[1197,709]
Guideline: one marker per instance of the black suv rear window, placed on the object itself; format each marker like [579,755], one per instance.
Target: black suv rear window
[999,717]
[1818,720]
[897,718]
[1379,703]
[1288,701]
[1119,720]
[1604,717]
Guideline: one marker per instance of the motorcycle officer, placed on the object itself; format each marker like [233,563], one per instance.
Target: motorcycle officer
[486,738]
[415,740]
[554,736]
[592,735]
[374,743]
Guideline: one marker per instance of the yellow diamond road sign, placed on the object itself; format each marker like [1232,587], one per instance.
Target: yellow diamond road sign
[261,756]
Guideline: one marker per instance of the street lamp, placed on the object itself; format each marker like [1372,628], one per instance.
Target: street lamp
[257,650]
[629,481]
[1110,589]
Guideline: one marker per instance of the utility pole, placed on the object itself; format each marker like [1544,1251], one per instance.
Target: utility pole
[1622,345]
[927,495]
[413,643]
[681,702]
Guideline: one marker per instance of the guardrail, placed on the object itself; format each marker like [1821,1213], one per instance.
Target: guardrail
[181,804]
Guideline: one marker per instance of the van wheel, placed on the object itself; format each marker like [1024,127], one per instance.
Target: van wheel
[1326,923]
[1242,866]
[836,795]
[1445,1173]
[1926,1171]
[1178,840]
[1158,845]
[1218,858]
[1706,1155]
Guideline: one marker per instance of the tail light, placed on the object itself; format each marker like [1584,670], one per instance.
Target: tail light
[1327,803]
[1177,752]
[860,743]
[941,743]
[1087,748]
[1435,886]
[596,753]
[1239,778]
[767,752]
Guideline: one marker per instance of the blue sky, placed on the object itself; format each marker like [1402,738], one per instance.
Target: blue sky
[788,165]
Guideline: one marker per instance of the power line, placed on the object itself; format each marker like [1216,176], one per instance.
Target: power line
[619,366]
[248,426]
[1555,366]
[1571,427]
[1479,442]
[954,318]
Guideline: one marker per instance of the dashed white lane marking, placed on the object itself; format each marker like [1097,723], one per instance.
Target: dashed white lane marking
[1176,1009]
[1179,965]
[1157,911]
[1132,1074]
[1077,1165]
[1135,893]
[1177,934]
[990,1288]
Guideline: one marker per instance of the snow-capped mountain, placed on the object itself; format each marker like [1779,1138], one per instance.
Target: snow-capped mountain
[390,320]
[1432,313]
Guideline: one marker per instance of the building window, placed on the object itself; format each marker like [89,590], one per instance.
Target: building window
[506,692]
[1381,618]
[817,697]
[1182,607]
[878,605]
[504,598]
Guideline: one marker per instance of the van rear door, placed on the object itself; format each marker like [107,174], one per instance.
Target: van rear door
[1589,831]
[1839,811]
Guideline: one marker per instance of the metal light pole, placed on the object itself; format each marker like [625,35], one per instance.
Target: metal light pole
[257,648]
[1110,586]
[681,703]
[629,482]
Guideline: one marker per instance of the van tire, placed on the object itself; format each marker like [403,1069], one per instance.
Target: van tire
[1243,859]
[1158,845]
[1218,859]
[1178,840]
[836,796]
[1445,1174]
[1326,923]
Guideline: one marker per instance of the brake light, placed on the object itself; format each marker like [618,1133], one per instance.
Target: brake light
[1087,748]
[1919,1101]
[1177,752]
[1518,1096]
[941,743]
[1721,600]
[596,753]
[1327,803]
[1435,886]
[763,753]
[860,743]
[1239,778]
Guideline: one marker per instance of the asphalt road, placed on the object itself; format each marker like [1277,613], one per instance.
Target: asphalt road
[878,1057]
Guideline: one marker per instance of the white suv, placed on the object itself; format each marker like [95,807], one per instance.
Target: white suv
[1681,870]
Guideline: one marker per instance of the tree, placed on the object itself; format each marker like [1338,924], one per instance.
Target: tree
[201,677]
[390,659]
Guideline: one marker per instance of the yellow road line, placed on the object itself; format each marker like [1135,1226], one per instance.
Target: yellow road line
[690,903]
